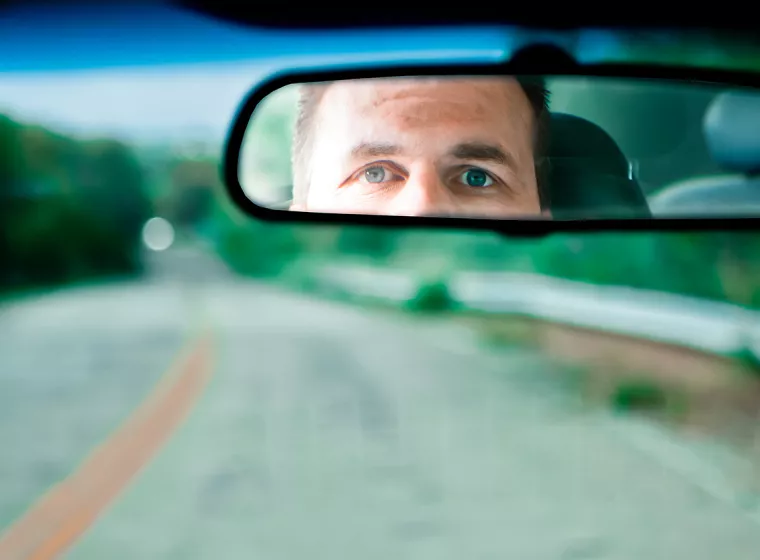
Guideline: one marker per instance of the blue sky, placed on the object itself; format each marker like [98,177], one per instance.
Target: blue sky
[152,72]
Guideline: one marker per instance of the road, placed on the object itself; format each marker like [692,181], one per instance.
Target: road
[329,431]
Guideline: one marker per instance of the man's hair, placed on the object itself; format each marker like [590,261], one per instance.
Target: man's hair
[311,95]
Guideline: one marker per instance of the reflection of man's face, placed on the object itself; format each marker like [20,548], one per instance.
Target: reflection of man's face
[424,147]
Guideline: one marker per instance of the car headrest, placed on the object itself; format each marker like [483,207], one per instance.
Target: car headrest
[588,174]
[731,126]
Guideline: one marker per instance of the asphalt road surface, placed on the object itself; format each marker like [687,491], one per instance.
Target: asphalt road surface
[329,431]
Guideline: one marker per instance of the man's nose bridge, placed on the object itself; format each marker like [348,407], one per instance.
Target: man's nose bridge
[424,188]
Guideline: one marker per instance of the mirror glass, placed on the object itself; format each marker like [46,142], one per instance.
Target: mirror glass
[506,147]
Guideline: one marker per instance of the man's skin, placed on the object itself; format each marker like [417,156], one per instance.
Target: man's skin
[424,146]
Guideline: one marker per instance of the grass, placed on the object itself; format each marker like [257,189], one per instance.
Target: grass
[600,384]
[630,392]
[431,297]
[502,330]
[638,395]
[747,361]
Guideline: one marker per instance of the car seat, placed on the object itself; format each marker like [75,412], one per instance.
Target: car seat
[587,174]
[731,127]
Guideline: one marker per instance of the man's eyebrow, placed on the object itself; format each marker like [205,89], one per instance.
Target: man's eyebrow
[375,149]
[483,152]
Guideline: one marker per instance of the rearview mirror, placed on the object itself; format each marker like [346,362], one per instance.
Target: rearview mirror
[480,147]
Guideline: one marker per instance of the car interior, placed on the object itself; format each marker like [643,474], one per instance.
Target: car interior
[730,128]
[588,172]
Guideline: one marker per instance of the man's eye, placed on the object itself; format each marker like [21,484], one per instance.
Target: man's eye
[380,174]
[476,178]
[375,174]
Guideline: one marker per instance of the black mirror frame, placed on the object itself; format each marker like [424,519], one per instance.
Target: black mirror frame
[535,60]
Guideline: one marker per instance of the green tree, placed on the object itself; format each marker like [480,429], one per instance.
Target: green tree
[70,209]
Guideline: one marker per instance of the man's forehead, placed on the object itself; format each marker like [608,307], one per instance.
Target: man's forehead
[378,90]
[495,105]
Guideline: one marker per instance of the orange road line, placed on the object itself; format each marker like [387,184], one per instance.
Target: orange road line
[62,515]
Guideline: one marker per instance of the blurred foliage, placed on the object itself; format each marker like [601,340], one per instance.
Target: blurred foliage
[193,185]
[748,360]
[431,297]
[638,396]
[722,266]
[70,209]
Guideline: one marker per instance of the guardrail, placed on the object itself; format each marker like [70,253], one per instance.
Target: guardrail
[708,326]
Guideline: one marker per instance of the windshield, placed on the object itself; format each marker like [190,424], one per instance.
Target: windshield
[179,380]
